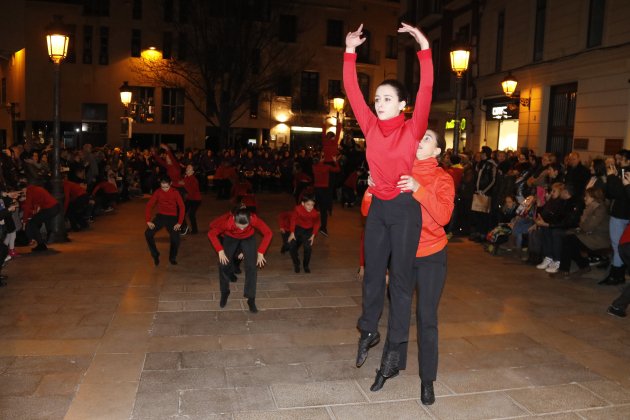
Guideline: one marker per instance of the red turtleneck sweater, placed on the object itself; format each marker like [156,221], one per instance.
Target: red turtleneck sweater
[305,219]
[391,144]
[436,196]
[169,203]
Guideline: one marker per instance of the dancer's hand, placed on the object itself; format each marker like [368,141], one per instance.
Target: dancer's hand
[241,256]
[311,239]
[371,181]
[415,33]
[151,225]
[223,259]
[260,260]
[291,237]
[408,183]
[360,273]
[177,227]
[353,39]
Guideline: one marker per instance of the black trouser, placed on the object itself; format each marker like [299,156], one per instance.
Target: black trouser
[623,300]
[302,237]
[430,276]
[572,249]
[78,212]
[191,212]
[250,253]
[160,221]
[224,187]
[392,229]
[552,242]
[44,216]
[323,199]
[285,241]
[349,197]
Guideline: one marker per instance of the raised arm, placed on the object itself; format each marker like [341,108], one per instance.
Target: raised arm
[420,117]
[361,110]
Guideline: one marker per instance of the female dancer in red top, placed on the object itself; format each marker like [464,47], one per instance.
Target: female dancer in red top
[434,189]
[393,224]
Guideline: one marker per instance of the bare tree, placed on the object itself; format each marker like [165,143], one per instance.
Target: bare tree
[232,55]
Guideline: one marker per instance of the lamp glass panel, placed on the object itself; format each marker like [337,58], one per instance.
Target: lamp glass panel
[57,46]
[509,86]
[459,60]
[338,103]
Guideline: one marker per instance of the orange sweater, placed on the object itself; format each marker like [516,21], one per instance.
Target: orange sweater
[436,196]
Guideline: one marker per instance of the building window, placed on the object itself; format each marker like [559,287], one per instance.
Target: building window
[498,59]
[391,50]
[136,10]
[142,106]
[172,106]
[72,44]
[182,46]
[88,34]
[334,33]
[96,7]
[364,86]
[539,31]
[136,42]
[167,45]
[309,92]
[334,88]
[168,10]
[103,52]
[288,28]
[595,23]
[363,50]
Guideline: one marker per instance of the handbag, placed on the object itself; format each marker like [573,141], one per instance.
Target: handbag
[481,203]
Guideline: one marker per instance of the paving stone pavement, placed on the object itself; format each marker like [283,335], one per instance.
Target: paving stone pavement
[95,331]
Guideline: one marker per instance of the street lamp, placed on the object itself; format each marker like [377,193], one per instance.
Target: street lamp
[57,40]
[459,64]
[509,85]
[338,103]
[125,98]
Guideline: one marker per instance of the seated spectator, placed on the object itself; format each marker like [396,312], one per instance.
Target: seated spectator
[591,235]
[549,215]
[501,233]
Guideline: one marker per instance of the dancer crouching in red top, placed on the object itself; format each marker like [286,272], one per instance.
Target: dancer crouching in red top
[434,189]
[39,207]
[304,226]
[393,225]
[170,214]
[238,229]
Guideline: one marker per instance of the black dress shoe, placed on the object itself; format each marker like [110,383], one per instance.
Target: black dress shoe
[366,341]
[389,369]
[307,269]
[296,268]
[173,262]
[251,302]
[427,396]
[611,281]
[224,298]
[156,259]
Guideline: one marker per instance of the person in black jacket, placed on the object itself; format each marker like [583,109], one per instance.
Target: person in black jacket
[619,215]
[576,175]
[485,180]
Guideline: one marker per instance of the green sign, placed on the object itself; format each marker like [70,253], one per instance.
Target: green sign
[451,124]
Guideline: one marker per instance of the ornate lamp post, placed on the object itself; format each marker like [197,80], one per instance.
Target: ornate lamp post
[509,85]
[57,41]
[125,98]
[338,103]
[459,64]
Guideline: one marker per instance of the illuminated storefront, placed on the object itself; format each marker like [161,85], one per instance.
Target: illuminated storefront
[501,124]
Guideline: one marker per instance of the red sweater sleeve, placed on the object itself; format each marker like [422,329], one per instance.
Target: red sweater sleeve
[438,199]
[217,227]
[262,227]
[149,207]
[362,112]
[420,117]
[182,208]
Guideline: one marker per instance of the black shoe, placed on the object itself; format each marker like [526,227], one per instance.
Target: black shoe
[40,248]
[156,259]
[389,369]
[296,268]
[614,311]
[324,232]
[173,261]
[366,341]
[611,281]
[427,396]
[233,278]
[251,302]
[307,269]
[237,270]
[224,298]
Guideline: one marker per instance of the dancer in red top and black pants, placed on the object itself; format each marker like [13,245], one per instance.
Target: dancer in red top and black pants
[323,193]
[304,226]
[238,229]
[76,204]
[193,197]
[392,229]
[170,214]
[434,189]
[39,207]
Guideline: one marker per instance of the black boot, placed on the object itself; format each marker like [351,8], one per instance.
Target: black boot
[251,302]
[427,396]
[366,341]
[389,369]
[617,275]
[224,298]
